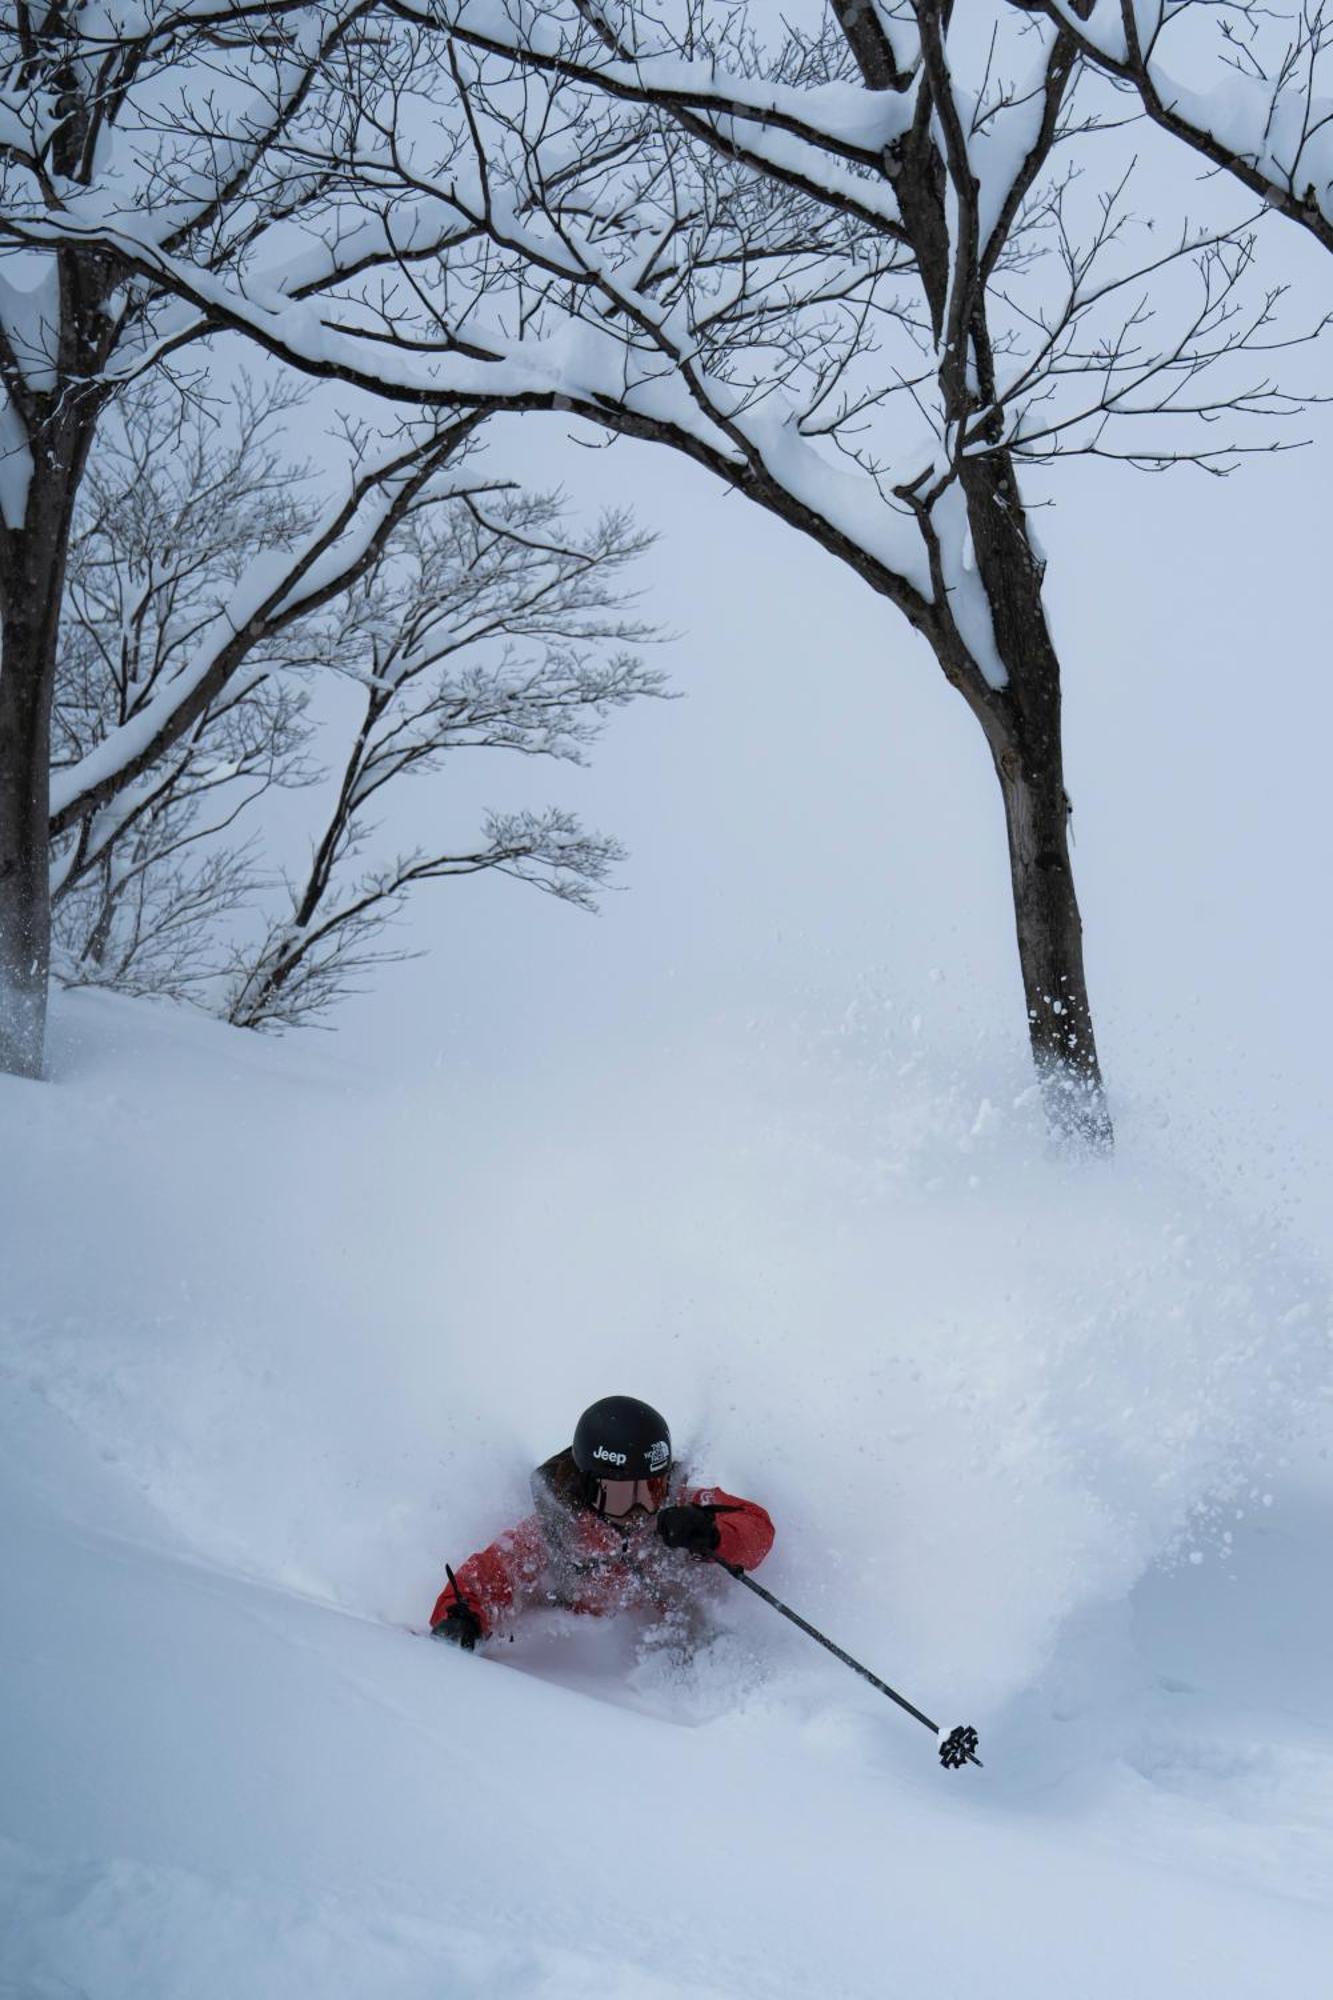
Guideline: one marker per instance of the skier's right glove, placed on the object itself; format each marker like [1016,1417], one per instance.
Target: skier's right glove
[691,1528]
[461,1626]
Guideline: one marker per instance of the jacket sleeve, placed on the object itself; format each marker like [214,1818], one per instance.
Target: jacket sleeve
[745,1531]
[502,1578]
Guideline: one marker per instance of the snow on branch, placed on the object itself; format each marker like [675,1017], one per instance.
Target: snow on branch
[1248,87]
[836,311]
[660,222]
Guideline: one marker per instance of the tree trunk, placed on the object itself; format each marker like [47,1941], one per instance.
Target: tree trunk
[25,907]
[1023,729]
[33,560]
[1050,950]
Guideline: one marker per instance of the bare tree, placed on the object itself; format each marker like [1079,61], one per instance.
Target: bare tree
[1246,86]
[485,628]
[853,275]
[205,134]
[481,623]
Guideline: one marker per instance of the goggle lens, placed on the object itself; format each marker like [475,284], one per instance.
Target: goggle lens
[618,1497]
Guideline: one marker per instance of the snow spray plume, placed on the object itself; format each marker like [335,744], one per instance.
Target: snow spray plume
[959,1746]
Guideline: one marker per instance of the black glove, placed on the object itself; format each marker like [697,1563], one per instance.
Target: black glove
[691,1528]
[461,1625]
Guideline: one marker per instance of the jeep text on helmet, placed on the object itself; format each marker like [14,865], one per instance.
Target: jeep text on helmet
[622,1433]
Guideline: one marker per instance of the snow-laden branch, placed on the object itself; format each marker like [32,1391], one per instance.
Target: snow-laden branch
[835,118]
[1249,89]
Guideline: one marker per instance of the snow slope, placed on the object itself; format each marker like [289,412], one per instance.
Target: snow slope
[277,1342]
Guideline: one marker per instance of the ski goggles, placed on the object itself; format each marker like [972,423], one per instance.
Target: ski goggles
[618,1497]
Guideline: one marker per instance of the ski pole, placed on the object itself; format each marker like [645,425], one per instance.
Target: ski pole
[959,1747]
[459,1599]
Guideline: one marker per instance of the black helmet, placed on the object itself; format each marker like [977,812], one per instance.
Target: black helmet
[622,1438]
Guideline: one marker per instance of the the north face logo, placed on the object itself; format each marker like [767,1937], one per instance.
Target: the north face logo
[659,1456]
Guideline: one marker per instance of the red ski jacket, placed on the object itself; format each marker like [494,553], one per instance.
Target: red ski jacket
[565,1554]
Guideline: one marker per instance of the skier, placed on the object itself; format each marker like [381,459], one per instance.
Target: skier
[609,1532]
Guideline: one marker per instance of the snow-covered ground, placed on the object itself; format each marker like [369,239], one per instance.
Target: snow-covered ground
[279,1338]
